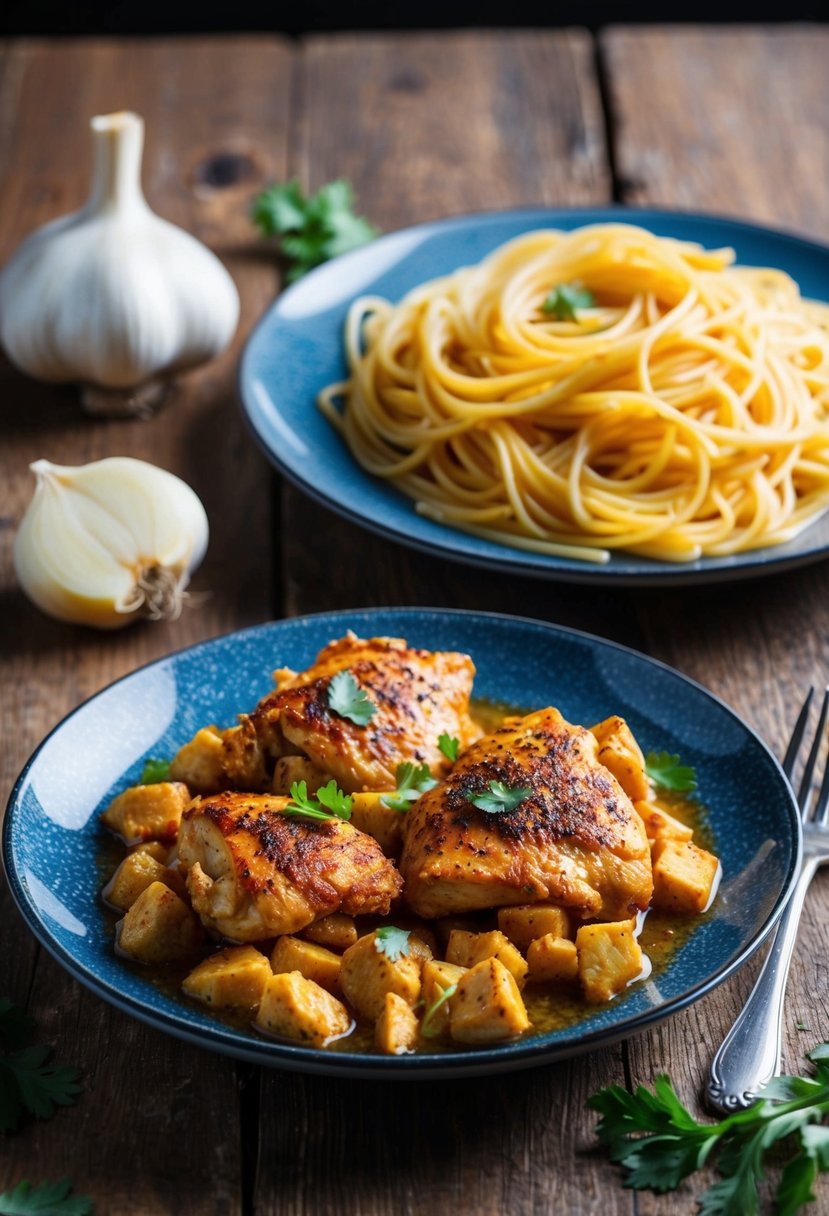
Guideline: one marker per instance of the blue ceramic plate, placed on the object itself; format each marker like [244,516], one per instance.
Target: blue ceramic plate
[51,836]
[297,349]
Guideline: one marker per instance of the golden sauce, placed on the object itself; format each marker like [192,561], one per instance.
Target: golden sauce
[549,1009]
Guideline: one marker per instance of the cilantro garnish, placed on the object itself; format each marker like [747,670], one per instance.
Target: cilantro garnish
[155,771]
[450,746]
[27,1083]
[500,798]
[426,1028]
[330,802]
[311,229]
[347,698]
[659,1143]
[392,942]
[47,1199]
[563,301]
[412,781]
[667,772]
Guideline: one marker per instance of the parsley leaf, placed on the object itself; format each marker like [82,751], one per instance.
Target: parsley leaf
[27,1083]
[347,698]
[426,1028]
[563,301]
[48,1199]
[155,771]
[311,229]
[659,1143]
[412,781]
[501,798]
[450,746]
[330,802]
[666,771]
[392,942]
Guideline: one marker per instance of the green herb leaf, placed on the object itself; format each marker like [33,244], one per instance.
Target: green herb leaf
[48,1199]
[392,942]
[155,771]
[311,229]
[450,746]
[426,1028]
[348,699]
[412,781]
[666,771]
[563,301]
[330,802]
[501,798]
[27,1083]
[659,1143]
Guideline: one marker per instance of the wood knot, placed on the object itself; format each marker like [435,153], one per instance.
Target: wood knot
[223,170]
[407,82]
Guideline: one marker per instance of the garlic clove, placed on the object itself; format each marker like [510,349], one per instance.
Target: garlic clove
[107,542]
[113,295]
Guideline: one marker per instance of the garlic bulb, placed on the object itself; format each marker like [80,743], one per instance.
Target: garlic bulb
[104,543]
[113,295]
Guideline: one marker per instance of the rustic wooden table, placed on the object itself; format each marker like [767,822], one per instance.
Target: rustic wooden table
[726,120]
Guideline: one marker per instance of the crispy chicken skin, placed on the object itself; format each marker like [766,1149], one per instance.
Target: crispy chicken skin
[254,873]
[419,695]
[575,841]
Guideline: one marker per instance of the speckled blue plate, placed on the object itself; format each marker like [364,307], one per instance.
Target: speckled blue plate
[297,349]
[51,835]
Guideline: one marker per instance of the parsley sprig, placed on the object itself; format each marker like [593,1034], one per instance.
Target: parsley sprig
[28,1084]
[330,802]
[47,1199]
[426,1027]
[500,799]
[392,942]
[311,229]
[412,781]
[666,771]
[349,700]
[449,745]
[659,1143]
[155,771]
[565,299]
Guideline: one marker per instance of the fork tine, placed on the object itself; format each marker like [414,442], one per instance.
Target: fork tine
[809,770]
[797,735]
[822,808]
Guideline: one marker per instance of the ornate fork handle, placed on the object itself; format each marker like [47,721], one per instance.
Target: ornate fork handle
[750,1054]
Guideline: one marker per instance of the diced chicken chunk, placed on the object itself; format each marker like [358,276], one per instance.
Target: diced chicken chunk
[233,978]
[437,979]
[527,922]
[467,949]
[293,1007]
[683,877]
[610,957]
[336,931]
[487,1006]
[367,974]
[148,812]
[396,1029]
[313,961]
[159,928]
[134,875]
[552,960]
[622,756]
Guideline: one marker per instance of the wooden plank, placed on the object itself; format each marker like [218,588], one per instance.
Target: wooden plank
[216,114]
[425,126]
[726,120]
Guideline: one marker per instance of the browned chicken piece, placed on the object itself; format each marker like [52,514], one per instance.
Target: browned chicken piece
[575,840]
[255,873]
[418,694]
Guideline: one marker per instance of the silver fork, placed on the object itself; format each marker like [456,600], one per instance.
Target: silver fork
[750,1053]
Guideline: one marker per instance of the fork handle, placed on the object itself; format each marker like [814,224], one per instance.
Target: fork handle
[750,1053]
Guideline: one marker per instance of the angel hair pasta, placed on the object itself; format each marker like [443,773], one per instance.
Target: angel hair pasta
[594,390]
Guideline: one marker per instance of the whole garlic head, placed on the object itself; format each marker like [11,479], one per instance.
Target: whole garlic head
[113,295]
[105,543]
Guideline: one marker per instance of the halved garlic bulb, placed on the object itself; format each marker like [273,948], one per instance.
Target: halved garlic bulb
[104,543]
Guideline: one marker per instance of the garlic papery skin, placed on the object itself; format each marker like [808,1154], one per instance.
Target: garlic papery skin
[109,542]
[113,295]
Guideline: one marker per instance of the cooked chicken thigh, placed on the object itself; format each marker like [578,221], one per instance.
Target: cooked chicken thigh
[575,840]
[417,696]
[255,873]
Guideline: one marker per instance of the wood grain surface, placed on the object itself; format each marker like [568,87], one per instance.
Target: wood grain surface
[725,120]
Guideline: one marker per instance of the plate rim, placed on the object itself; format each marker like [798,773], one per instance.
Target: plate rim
[275,1054]
[755,563]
